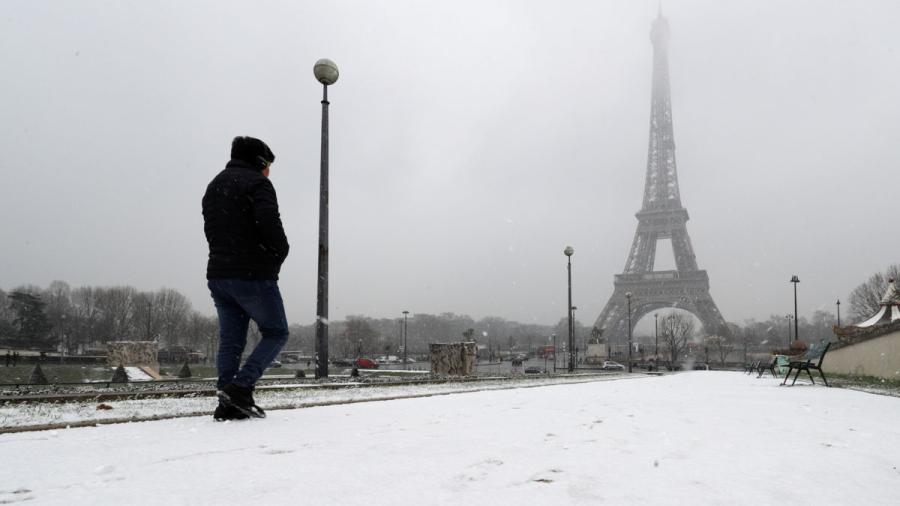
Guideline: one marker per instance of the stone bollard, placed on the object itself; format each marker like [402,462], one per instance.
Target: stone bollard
[37,376]
[185,371]
[120,376]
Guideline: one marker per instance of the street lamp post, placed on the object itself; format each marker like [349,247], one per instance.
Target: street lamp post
[399,334]
[545,358]
[838,303]
[554,353]
[795,280]
[628,297]
[568,252]
[326,72]
[573,348]
[405,334]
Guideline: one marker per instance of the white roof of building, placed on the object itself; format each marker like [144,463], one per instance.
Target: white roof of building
[889,311]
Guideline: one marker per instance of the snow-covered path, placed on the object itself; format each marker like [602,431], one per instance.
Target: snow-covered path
[694,438]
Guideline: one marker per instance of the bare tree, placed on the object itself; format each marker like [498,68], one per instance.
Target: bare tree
[865,299]
[147,319]
[116,307]
[820,327]
[359,337]
[721,347]
[86,313]
[174,309]
[675,331]
[201,333]
[60,314]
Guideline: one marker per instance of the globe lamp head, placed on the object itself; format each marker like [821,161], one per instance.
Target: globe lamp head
[326,71]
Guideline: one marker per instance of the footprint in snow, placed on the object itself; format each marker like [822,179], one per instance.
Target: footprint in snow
[546,477]
[478,471]
[16,495]
[278,452]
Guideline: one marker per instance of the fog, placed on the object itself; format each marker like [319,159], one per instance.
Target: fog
[471,142]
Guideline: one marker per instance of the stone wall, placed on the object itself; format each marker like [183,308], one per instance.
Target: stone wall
[133,353]
[877,357]
[596,353]
[453,359]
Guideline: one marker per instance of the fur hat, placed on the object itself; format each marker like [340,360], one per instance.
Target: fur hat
[253,151]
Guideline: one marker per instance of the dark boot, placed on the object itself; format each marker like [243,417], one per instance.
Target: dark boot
[224,413]
[240,398]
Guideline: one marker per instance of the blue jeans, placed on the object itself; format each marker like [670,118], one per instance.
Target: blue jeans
[237,302]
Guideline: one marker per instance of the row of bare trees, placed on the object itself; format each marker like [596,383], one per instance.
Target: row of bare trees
[384,336]
[73,319]
[66,318]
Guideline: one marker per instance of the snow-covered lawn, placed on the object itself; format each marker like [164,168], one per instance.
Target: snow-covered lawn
[694,438]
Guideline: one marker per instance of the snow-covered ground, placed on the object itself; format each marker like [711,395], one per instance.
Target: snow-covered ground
[694,438]
[279,396]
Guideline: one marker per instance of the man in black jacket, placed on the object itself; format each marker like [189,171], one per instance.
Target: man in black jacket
[247,246]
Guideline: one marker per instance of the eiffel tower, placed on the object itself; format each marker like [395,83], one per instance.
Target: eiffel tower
[661,217]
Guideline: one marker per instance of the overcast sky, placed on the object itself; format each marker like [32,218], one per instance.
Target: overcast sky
[470,143]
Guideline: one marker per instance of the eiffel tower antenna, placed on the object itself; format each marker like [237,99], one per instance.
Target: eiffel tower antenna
[661,217]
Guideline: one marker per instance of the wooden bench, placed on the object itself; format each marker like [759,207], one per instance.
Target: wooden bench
[807,366]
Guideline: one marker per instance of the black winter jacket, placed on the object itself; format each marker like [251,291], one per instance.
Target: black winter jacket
[242,225]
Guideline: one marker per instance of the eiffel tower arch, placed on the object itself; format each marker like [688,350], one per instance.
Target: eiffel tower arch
[661,217]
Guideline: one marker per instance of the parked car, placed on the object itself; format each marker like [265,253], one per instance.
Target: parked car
[609,365]
[366,363]
[534,370]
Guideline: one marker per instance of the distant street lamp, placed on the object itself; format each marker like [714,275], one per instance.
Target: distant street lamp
[568,252]
[838,303]
[656,333]
[795,280]
[326,72]
[405,334]
[789,317]
[628,297]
